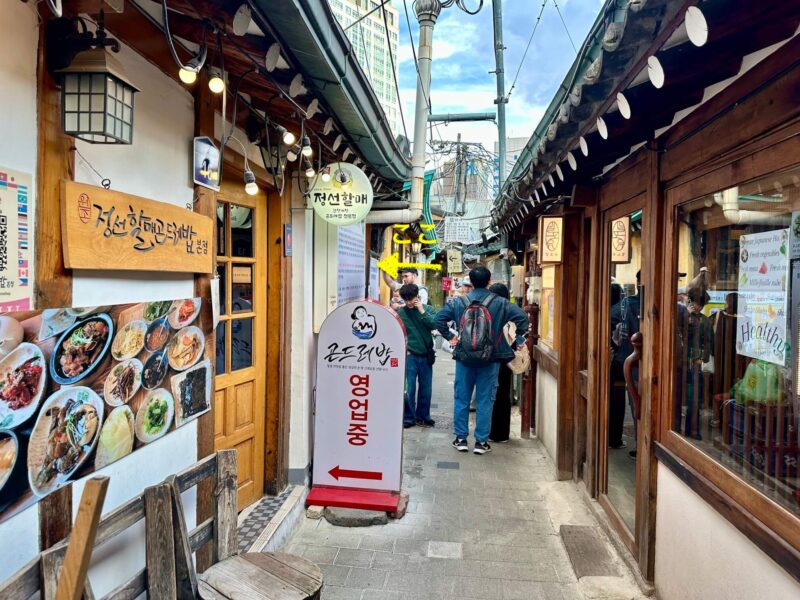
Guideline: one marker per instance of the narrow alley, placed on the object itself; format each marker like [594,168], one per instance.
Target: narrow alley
[477,526]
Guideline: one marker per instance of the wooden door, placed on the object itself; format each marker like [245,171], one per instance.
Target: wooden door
[619,483]
[241,335]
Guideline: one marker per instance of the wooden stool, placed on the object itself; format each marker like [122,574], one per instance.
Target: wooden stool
[261,576]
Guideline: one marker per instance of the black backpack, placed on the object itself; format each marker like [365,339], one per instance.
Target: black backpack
[475,346]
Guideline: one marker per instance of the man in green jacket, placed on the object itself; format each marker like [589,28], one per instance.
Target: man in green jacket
[418,319]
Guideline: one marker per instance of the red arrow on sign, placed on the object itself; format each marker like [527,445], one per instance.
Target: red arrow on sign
[336,473]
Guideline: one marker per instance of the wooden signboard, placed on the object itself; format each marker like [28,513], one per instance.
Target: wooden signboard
[551,240]
[107,230]
[621,240]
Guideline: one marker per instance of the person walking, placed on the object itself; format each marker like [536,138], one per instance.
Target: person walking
[418,319]
[501,411]
[407,275]
[480,317]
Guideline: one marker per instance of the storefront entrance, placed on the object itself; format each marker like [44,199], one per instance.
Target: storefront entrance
[241,336]
[622,314]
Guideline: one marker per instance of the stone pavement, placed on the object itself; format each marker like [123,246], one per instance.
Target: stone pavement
[477,527]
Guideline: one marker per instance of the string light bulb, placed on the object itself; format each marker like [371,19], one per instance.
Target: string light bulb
[293,153]
[307,150]
[250,185]
[215,82]
[310,172]
[188,73]
[287,136]
[326,174]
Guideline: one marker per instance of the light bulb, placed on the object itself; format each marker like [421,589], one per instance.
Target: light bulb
[250,186]
[292,154]
[187,76]
[216,84]
[307,150]
[287,136]
[310,172]
[326,176]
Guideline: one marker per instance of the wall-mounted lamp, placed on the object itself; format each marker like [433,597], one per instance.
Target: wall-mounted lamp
[416,247]
[97,98]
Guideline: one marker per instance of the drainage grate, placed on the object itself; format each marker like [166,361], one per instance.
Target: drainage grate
[587,551]
[444,464]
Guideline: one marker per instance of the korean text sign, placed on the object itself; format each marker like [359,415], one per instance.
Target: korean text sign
[358,430]
[104,229]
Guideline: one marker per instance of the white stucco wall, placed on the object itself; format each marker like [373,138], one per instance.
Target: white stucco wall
[547,411]
[156,166]
[700,555]
[19,35]
[302,340]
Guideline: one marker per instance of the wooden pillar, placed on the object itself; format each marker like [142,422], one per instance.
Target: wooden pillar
[593,354]
[205,202]
[567,284]
[649,422]
[56,161]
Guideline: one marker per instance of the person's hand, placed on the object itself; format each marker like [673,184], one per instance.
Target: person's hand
[419,306]
[454,342]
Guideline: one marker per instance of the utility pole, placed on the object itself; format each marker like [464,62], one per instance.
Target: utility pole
[457,176]
[501,100]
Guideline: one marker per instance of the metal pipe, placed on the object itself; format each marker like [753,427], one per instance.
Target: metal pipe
[390,204]
[501,100]
[457,117]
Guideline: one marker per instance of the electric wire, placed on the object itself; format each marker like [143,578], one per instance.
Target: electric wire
[527,47]
[364,16]
[394,70]
[564,23]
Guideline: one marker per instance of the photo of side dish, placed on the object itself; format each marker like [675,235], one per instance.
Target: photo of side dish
[22,383]
[116,437]
[155,310]
[122,382]
[65,434]
[129,341]
[183,312]
[155,416]
[157,335]
[186,348]
[81,348]
[155,369]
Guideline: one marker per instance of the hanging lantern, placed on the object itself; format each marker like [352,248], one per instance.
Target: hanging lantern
[97,99]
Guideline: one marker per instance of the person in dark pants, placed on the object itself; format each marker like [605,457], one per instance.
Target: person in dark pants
[616,404]
[418,319]
[501,412]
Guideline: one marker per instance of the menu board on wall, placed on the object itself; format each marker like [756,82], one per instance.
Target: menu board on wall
[16,263]
[350,253]
[81,388]
[761,328]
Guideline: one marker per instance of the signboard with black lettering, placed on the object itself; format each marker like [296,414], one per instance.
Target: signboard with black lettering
[341,194]
[108,230]
[358,432]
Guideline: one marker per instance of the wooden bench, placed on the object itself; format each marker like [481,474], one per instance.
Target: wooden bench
[169,570]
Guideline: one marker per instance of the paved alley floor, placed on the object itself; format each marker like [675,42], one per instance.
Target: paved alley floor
[477,526]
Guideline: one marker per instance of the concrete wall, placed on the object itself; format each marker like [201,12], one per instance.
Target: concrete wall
[700,555]
[547,411]
[156,166]
[302,340]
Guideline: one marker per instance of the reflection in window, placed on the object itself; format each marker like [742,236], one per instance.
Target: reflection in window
[242,288]
[241,231]
[241,344]
[737,306]
[220,340]
[222,216]
[223,288]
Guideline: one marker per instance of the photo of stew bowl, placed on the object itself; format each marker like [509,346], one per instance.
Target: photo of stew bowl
[157,335]
[81,348]
[155,369]
[12,463]
[23,377]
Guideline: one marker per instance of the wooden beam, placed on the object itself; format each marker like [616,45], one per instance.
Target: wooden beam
[205,105]
[56,161]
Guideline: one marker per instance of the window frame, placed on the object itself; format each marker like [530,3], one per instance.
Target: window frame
[748,509]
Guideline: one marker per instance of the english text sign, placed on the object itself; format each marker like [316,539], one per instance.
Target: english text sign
[358,431]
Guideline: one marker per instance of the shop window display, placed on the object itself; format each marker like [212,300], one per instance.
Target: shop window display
[736,363]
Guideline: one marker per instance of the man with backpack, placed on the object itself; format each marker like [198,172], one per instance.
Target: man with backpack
[480,317]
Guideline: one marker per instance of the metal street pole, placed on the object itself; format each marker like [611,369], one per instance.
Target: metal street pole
[501,100]
[427,12]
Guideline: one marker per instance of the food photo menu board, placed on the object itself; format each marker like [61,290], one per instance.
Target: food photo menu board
[81,388]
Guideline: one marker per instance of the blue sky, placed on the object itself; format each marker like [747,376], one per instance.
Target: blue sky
[463,55]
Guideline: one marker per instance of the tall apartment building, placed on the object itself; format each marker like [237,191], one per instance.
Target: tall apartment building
[371,46]
[514,147]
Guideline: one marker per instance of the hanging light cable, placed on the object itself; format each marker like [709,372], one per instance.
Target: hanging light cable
[187,72]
